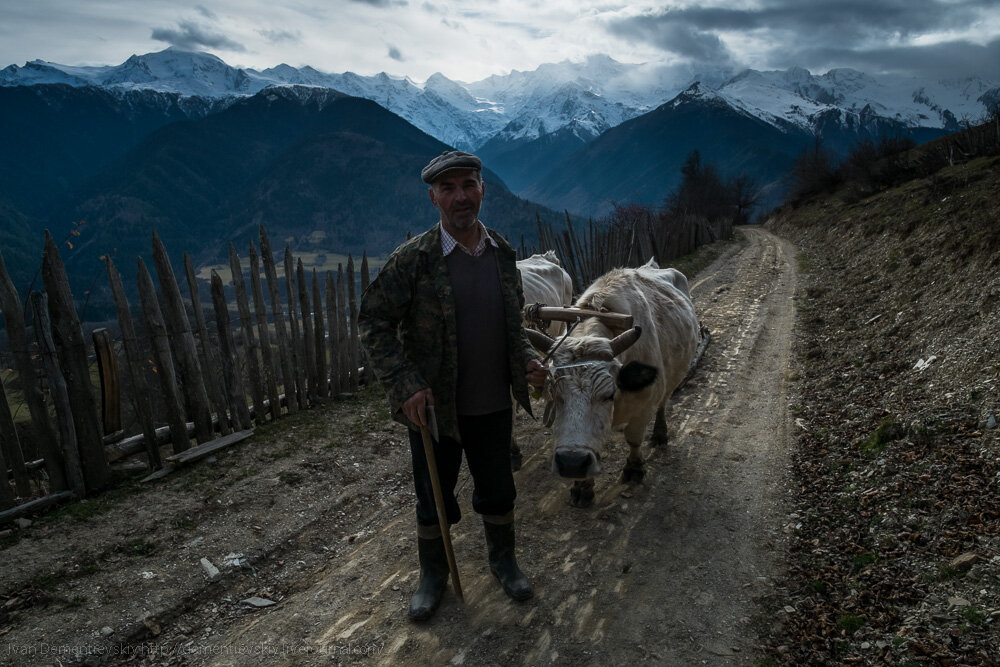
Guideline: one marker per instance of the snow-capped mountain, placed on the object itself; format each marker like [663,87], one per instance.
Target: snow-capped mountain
[587,97]
[596,92]
[591,95]
[39,71]
[797,97]
[567,102]
[186,73]
[640,160]
[167,71]
[442,108]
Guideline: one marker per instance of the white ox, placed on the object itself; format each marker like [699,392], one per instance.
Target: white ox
[601,381]
[544,280]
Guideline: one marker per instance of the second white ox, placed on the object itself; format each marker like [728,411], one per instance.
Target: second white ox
[545,281]
[601,381]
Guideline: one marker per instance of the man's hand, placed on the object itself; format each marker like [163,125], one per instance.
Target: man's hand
[535,373]
[414,407]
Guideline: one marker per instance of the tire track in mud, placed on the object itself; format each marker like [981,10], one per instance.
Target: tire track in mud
[666,571]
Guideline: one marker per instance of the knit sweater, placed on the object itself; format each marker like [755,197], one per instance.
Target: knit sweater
[483,372]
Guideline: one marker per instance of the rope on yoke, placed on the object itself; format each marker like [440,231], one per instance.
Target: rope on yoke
[532,315]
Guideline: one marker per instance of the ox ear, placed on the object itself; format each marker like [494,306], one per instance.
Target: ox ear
[636,376]
[624,341]
[538,340]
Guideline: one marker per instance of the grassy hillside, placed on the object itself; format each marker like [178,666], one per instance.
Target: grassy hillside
[895,540]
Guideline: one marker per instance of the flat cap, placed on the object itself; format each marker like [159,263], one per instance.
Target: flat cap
[448,161]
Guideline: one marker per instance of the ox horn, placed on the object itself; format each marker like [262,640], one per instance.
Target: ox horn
[539,340]
[624,341]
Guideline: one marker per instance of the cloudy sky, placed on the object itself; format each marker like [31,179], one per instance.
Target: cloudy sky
[472,39]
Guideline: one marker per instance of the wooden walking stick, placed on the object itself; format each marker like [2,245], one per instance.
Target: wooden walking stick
[439,498]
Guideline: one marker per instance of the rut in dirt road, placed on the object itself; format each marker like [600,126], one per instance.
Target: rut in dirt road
[666,571]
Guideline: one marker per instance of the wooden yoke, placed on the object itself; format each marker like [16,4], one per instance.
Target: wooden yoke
[539,311]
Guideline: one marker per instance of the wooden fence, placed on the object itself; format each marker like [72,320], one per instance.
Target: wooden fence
[211,386]
[630,237]
[188,381]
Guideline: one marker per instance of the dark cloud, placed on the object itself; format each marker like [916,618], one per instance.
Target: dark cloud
[191,36]
[822,33]
[382,3]
[943,60]
[281,36]
[903,17]
[395,54]
[678,37]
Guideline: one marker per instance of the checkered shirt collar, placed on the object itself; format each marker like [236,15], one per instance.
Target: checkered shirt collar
[448,242]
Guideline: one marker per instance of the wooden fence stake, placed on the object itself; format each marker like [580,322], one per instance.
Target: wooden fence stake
[164,362]
[72,350]
[353,351]
[333,341]
[249,337]
[75,473]
[320,339]
[369,374]
[8,432]
[133,362]
[207,354]
[17,334]
[266,353]
[111,391]
[365,275]
[577,252]
[277,314]
[296,346]
[343,357]
[234,380]
[308,337]
[182,342]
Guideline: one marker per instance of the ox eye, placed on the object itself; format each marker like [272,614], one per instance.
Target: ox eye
[608,398]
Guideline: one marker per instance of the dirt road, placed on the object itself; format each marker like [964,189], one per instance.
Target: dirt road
[667,571]
[320,505]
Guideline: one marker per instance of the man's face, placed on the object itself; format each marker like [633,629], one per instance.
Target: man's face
[458,195]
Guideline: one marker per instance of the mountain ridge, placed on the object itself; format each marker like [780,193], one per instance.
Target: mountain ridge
[526,123]
[468,115]
[323,171]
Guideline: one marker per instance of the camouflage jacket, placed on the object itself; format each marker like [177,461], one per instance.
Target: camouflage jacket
[408,329]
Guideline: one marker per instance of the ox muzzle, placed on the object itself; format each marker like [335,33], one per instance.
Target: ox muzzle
[576,463]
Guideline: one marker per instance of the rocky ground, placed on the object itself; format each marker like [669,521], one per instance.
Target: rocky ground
[895,552]
[310,523]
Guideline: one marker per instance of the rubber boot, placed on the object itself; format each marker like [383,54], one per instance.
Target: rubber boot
[433,578]
[503,564]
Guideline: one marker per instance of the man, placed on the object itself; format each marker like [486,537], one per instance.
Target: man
[441,324]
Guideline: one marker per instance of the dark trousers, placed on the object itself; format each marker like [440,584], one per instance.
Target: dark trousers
[486,442]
